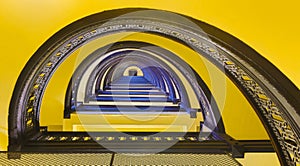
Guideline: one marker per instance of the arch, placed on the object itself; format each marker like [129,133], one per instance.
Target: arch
[276,105]
[155,71]
[133,71]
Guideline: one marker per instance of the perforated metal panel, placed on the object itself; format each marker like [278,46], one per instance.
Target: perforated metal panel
[105,159]
[173,159]
[77,159]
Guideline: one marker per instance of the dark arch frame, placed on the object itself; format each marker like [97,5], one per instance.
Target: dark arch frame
[289,92]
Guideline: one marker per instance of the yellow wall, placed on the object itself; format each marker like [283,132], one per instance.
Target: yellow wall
[272,28]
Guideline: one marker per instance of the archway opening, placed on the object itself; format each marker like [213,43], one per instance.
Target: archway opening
[177,78]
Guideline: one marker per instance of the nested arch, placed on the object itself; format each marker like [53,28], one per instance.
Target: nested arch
[276,106]
[120,56]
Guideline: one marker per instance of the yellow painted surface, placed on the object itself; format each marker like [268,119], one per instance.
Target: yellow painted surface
[131,128]
[270,27]
[133,122]
[259,159]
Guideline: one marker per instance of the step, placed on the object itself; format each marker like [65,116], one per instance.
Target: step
[132,95]
[113,108]
[131,88]
[132,103]
[133,85]
[132,121]
[131,99]
[131,92]
[132,79]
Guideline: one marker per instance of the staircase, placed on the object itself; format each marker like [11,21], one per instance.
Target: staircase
[130,94]
[132,103]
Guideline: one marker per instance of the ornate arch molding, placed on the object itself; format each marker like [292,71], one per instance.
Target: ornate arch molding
[274,97]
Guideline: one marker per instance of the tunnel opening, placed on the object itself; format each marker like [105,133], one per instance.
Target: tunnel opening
[132,72]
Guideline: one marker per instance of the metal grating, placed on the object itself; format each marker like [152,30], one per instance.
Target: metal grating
[106,159]
[78,159]
[173,159]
